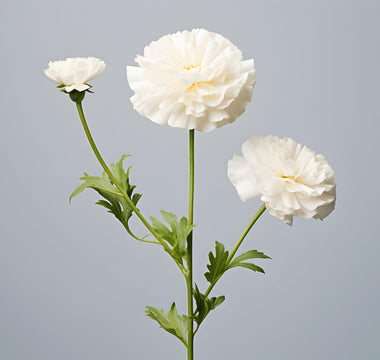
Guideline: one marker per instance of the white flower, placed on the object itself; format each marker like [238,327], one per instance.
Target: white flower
[74,73]
[193,80]
[291,179]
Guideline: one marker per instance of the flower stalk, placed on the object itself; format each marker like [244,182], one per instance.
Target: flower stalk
[233,252]
[108,171]
[238,243]
[245,232]
[189,279]
[120,189]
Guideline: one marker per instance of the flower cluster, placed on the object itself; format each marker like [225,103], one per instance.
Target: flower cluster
[291,179]
[198,80]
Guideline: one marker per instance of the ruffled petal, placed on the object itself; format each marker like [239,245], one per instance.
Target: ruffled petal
[291,179]
[195,74]
[242,177]
[74,73]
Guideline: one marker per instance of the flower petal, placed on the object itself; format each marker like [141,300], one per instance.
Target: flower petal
[193,80]
[75,72]
[242,177]
[291,179]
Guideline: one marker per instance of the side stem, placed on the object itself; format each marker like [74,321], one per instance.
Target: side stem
[115,182]
[246,231]
[239,242]
[233,252]
[189,278]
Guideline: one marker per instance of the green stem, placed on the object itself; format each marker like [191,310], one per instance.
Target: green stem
[189,278]
[239,242]
[118,186]
[233,252]
[129,231]
[246,231]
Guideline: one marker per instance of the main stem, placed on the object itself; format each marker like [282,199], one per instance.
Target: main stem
[189,278]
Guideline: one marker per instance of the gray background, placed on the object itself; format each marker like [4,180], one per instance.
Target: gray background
[74,286]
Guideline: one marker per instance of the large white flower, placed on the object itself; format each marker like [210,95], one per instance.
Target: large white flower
[291,179]
[193,80]
[75,73]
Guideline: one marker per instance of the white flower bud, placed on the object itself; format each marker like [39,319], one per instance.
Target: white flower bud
[75,73]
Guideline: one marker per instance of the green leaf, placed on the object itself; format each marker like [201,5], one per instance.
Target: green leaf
[161,229]
[97,183]
[205,305]
[250,266]
[252,254]
[78,190]
[217,265]
[173,323]
[175,236]
[112,200]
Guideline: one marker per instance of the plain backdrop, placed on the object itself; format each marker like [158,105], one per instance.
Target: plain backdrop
[74,285]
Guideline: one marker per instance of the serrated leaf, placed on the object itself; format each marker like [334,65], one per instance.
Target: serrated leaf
[173,323]
[180,230]
[216,301]
[97,183]
[177,234]
[112,200]
[164,232]
[201,305]
[180,321]
[252,254]
[217,265]
[250,266]
[205,305]
[78,190]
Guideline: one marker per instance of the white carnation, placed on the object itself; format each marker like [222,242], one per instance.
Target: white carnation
[291,179]
[75,73]
[193,80]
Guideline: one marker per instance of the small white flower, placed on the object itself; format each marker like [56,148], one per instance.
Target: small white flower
[75,73]
[193,80]
[291,179]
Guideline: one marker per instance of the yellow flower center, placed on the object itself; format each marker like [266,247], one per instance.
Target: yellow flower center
[192,67]
[294,178]
[193,86]
[291,177]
